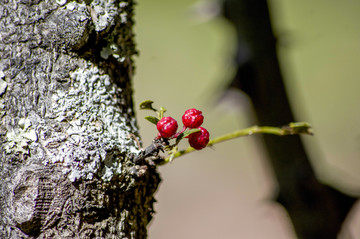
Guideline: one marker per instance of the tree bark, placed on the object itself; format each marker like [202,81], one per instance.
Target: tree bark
[68,133]
[316,210]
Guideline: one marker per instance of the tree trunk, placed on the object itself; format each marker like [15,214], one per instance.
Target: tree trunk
[68,132]
[316,210]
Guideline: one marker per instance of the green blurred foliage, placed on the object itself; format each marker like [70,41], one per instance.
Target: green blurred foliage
[184,62]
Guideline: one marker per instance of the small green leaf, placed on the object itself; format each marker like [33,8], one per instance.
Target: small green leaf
[299,128]
[161,113]
[190,131]
[300,125]
[186,133]
[147,105]
[152,119]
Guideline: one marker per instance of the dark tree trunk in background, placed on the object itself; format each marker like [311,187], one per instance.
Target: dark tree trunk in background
[316,210]
[67,125]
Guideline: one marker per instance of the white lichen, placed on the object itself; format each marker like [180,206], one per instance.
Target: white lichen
[106,52]
[111,49]
[123,17]
[19,139]
[105,14]
[123,4]
[71,5]
[79,7]
[61,2]
[96,127]
[3,86]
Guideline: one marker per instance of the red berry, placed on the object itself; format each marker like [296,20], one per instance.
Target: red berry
[167,127]
[199,140]
[192,118]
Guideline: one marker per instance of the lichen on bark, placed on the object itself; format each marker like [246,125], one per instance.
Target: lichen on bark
[67,124]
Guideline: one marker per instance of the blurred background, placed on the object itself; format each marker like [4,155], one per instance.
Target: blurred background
[186,59]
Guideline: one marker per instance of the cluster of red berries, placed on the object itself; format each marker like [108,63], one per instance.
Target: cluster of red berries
[192,119]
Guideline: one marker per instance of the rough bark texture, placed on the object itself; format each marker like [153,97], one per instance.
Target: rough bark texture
[316,210]
[67,127]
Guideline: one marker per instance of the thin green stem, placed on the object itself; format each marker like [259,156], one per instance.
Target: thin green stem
[291,129]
